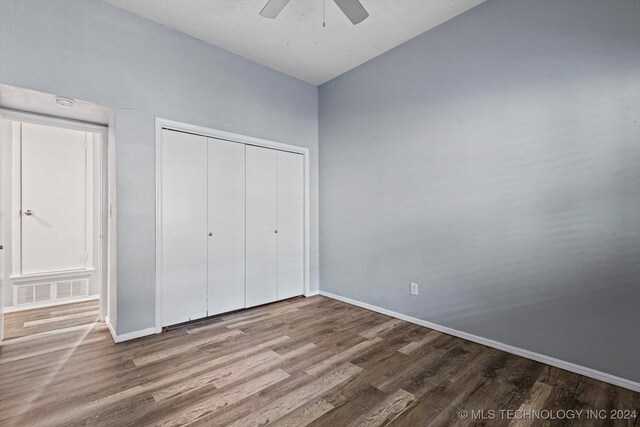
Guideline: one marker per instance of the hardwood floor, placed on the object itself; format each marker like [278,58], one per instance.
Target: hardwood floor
[29,322]
[308,361]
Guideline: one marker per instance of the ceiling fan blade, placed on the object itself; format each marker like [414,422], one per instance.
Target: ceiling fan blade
[354,10]
[273,8]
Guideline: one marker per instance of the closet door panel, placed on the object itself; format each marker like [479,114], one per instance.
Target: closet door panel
[290,224]
[226,226]
[184,227]
[261,251]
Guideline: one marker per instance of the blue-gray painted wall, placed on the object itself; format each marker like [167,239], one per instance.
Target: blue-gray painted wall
[495,160]
[92,51]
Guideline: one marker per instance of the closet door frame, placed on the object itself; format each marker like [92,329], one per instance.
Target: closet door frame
[231,137]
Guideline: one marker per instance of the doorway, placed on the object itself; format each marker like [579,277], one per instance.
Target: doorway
[53,223]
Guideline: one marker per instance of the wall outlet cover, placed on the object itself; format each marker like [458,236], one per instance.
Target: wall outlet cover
[414,289]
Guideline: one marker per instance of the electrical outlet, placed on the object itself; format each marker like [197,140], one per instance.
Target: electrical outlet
[414,289]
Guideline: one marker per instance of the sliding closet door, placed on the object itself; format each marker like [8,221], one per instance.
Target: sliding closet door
[290,224]
[184,227]
[226,226]
[261,199]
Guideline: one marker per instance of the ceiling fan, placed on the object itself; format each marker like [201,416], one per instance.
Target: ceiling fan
[353,9]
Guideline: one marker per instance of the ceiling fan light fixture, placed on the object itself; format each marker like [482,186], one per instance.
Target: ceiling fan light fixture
[353,9]
[273,8]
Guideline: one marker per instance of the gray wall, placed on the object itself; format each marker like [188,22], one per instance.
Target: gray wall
[495,160]
[92,51]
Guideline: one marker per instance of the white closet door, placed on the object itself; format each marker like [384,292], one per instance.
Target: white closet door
[184,227]
[290,224]
[261,260]
[226,226]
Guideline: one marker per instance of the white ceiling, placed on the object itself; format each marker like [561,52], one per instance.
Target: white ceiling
[295,43]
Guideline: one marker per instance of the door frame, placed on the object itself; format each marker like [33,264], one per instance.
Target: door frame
[102,130]
[173,125]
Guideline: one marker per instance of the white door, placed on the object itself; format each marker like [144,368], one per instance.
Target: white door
[261,252]
[184,227]
[226,226]
[290,224]
[54,199]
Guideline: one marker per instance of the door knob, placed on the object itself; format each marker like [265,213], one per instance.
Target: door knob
[275,231]
[28,212]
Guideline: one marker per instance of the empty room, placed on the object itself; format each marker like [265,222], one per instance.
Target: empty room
[319,212]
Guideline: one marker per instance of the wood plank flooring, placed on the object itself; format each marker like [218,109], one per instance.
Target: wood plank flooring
[35,321]
[308,361]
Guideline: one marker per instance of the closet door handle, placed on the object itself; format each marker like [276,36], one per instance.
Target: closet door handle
[275,231]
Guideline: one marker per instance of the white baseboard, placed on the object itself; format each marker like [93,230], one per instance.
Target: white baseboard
[572,367]
[111,328]
[130,335]
[135,334]
[45,304]
[312,293]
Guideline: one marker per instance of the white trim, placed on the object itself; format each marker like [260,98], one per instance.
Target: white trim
[227,136]
[112,330]
[128,336]
[232,137]
[104,224]
[16,197]
[307,225]
[89,200]
[558,363]
[158,323]
[110,212]
[24,116]
[25,278]
[51,303]
[312,293]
